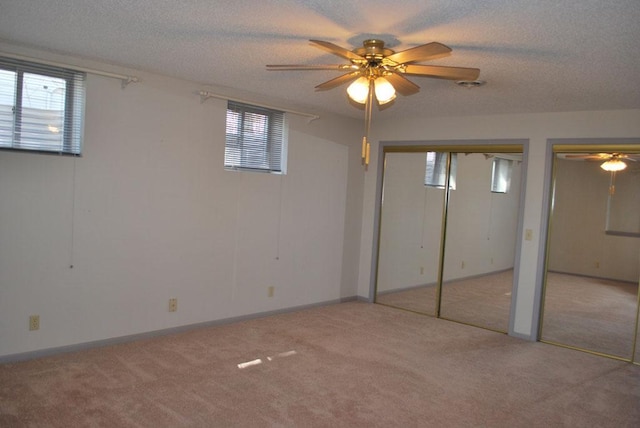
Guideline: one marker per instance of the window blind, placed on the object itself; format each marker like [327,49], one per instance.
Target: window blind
[436,170]
[255,138]
[501,175]
[41,107]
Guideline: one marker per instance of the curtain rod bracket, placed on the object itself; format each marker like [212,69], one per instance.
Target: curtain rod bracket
[205,95]
[127,80]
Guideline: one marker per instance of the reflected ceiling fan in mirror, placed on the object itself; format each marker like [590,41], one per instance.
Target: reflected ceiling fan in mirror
[378,72]
[612,162]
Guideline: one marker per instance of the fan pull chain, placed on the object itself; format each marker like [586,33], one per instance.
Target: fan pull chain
[612,184]
[366,146]
[366,158]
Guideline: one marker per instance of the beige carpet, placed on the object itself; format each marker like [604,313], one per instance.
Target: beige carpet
[483,301]
[590,313]
[348,365]
[419,299]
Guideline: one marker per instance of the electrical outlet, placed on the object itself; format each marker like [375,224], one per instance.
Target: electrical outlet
[270,291]
[421,270]
[528,234]
[462,265]
[34,322]
[173,304]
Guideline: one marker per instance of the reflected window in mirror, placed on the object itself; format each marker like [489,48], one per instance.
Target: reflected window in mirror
[623,203]
[436,170]
[501,175]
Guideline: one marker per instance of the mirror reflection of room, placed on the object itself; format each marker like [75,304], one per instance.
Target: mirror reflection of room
[476,271]
[591,291]
[410,234]
[482,221]
[623,205]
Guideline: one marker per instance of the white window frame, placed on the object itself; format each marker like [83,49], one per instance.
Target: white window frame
[27,128]
[255,139]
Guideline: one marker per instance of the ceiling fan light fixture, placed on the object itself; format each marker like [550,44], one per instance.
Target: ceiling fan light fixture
[379,69]
[359,90]
[385,92]
[613,165]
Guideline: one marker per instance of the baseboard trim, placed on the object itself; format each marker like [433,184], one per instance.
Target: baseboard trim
[526,337]
[449,281]
[593,277]
[40,353]
[409,288]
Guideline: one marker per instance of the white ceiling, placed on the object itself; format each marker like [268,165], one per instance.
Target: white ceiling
[536,56]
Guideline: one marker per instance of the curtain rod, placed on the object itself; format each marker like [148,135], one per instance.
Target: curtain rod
[204,95]
[124,78]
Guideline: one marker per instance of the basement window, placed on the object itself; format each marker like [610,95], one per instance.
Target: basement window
[501,175]
[41,107]
[255,139]
[436,170]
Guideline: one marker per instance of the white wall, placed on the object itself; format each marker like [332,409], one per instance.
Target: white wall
[410,227]
[537,128]
[97,245]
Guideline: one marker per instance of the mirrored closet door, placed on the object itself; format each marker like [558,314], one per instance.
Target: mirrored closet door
[410,235]
[447,237]
[593,255]
[481,235]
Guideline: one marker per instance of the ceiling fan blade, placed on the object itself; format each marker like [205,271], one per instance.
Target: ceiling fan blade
[311,67]
[402,84]
[627,156]
[603,156]
[442,72]
[330,84]
[337,50]
[421,53]
[588,156]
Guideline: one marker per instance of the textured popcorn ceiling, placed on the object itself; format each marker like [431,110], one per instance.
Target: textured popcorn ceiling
[536,56]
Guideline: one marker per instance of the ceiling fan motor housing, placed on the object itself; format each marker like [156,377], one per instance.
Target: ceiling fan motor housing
[373,50]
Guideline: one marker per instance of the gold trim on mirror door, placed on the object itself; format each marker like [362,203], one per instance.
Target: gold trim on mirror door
[554,166]
[588,351]
[443,235]
[466,148]
[636,351]
[596,148]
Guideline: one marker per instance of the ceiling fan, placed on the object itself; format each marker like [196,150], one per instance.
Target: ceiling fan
[613,162]
[377,70]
